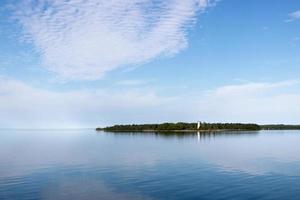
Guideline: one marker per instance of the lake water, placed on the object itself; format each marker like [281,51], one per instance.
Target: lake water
[84,164]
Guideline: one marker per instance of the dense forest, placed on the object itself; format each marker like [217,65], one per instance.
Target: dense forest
[182,126]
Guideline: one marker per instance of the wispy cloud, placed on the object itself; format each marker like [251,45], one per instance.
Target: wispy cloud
[251,89]
[84,39]
[259,102]
[22,105]
[25,106]
[293,16]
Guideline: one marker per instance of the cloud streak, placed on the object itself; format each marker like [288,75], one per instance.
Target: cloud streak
[86,39]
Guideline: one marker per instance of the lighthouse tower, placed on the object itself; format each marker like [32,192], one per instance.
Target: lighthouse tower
[198,124]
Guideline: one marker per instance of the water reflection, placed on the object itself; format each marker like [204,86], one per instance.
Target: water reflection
[84,164]
[200,135]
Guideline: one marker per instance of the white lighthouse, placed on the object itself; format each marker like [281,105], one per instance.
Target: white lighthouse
[198,124]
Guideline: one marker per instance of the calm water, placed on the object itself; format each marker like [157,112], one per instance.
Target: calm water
[84,164]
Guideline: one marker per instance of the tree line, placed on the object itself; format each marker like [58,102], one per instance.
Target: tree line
[182,126]
[280,127]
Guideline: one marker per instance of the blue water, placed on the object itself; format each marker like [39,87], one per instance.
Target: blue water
[84,164]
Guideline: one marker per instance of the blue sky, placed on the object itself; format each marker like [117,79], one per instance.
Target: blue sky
[88,63]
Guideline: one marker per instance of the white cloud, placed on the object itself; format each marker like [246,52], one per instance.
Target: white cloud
[253,102]
[295,15]
[84,39]
[24,106]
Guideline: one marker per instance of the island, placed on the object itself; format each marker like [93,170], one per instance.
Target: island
[182,126]
[199,126]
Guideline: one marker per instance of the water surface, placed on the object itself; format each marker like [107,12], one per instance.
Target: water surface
[84,164]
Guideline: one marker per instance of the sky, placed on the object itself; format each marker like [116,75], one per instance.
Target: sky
[89,63]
